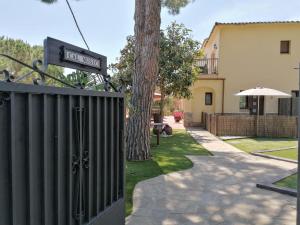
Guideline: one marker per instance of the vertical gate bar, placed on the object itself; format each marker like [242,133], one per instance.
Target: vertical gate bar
[80,157]
[117,157]
[105,155]
[13,158]
[58,159]
[298,164]
[98,150]
[45,161]
[111,150]
[122,147]
[90,141]
[31,179]
[70,157]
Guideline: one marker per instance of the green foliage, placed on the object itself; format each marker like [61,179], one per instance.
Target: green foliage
[123,69]
[288,153]
[288,182]
[15,48]
[49,1]
[177,55]
[84,80]
[25,53]
[261,143]
[168,105]
[174,6]
[77,78]
[177,70]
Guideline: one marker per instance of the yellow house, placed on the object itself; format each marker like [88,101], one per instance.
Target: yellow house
[239,56]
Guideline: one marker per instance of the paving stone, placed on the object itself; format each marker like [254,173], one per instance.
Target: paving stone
[218,190]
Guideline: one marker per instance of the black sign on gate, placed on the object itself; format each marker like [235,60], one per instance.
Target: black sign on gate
[66,55]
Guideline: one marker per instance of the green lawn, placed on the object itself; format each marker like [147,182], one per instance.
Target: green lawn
[290,182]
[255,144]
[289,153]
[168,157]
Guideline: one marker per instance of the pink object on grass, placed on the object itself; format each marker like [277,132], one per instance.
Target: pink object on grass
[178,116]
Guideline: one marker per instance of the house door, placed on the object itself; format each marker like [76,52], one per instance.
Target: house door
[253,105]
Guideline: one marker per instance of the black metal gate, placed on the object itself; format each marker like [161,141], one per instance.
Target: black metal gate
[61,156]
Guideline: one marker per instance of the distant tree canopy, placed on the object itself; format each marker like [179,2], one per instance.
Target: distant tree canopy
[26,53]
[123,69]
[174,6]
[49,1]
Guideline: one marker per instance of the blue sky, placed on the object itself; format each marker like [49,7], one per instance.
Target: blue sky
[106,23]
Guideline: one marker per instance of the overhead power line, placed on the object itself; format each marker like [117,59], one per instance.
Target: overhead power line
[75,20]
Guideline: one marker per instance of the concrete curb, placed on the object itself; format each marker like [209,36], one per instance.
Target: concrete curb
[261,154]
[274,157]
[276,149]
[282,190]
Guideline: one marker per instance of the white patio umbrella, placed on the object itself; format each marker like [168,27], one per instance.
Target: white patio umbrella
[261,91]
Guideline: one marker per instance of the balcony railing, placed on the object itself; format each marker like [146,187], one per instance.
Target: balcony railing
[208,66]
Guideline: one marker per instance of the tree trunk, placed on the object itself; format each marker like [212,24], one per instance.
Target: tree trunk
[147,34]
[162,100]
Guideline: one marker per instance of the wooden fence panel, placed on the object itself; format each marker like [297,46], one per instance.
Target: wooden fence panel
[250,125]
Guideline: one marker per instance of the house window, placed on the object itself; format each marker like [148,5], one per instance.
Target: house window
[244,102]
[285,47]
[208,98]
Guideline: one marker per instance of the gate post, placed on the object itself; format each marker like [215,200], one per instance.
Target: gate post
[298,182]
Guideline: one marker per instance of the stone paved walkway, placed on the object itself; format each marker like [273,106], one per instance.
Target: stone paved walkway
[219,189]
